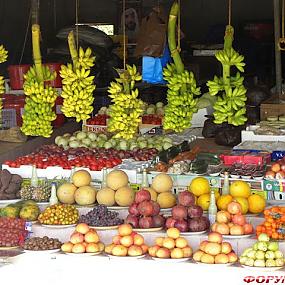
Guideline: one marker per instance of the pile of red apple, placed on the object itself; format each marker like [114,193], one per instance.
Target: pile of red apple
[215,251]
[186,216]
[83,240]
[232,222]
[277,170]
[144,213]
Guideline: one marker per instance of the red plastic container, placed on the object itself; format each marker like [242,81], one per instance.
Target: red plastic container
[16,75]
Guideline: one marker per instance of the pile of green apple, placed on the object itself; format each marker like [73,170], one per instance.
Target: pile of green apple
[92,140]
[263,253]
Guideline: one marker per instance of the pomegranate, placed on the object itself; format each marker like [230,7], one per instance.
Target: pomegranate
[179,212]
[145,208]
[158,221]
[181,225]
[132,220]
[186,198]
[170,222]
[146,222]
[195,211]
[156,208]
[142,195]
[133,209]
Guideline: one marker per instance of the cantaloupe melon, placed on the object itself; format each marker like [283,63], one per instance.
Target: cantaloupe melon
[166,200]
[117,179]
[162,183]
[65,193]
[125,196]
[81,178]
[85,195]
[152,192]
[106,196]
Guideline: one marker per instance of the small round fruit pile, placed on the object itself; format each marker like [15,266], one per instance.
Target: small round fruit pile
[161,191]
[79,191]
[273,224]
[232,222]
[144,213]
[59,215]
[214,250]
[127,243]
[100,216]
[240,192]
[172,246]
[186,216]
[83,240]
[263,253]
[44,243]
[117,190]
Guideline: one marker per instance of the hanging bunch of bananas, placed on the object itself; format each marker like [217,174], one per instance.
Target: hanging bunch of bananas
[78,86]
[126,110]
[180,96]
[40,97]
[3,58]
[230,105]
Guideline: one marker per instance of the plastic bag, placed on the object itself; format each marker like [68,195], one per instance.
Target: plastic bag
[210,129]
[228,137]
[152,36]
[257,94]
[152,67]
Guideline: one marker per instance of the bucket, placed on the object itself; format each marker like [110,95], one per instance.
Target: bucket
[16,75]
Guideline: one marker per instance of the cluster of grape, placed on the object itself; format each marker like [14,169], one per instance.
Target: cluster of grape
[100,216]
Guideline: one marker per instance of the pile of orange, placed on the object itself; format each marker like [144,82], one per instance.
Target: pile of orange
[274,223]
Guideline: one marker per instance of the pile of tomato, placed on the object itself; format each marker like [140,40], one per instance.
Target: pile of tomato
[152,119]
[274,223]
[100,120]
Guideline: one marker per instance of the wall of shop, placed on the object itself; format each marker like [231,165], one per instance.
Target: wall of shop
[197,17]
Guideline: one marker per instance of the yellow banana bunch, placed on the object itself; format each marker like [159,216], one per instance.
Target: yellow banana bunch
[40,97]
[127,109]
[230,105]
[181,94]
[78,86]
[3,58]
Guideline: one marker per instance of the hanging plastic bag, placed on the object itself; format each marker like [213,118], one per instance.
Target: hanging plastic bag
[152,67]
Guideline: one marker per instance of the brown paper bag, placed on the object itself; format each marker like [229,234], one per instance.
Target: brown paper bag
[152,36]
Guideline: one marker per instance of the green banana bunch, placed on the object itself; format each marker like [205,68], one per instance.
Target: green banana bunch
[40,100]
[127,109]
[3,58]
[181,94]
[230,105]
[78,86]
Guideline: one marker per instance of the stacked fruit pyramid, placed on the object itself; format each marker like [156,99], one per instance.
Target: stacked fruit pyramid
[215,251]
[263,253]
[274,223]
[40,97]
[127,243]
[182,88]
[83,240]
[144,213]
[172,246]
[230,105]
[126,110]
[232,222]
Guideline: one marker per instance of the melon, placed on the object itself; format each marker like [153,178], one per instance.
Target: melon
[162,183]
[65,193]
[85,195]
[106,196]
[125,196]
[117,179]
[152,192]
[81,178]
[166,200]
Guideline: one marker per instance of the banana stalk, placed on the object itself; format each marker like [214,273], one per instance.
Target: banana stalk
[126,110]
[3,58]
[182,88]
[40,97]
[230,105]
[77,84]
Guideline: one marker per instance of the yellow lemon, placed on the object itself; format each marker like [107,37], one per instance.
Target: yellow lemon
[243,203]
[204,200]
[240,189]
[256,203]
[199,186]
[223,202]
